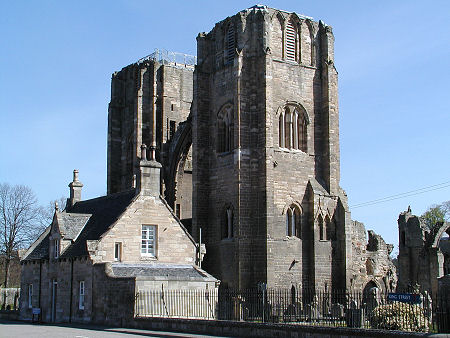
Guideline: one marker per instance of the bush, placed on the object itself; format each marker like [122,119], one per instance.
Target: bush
[399,316]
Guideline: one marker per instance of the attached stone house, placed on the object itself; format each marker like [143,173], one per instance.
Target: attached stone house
[96,254]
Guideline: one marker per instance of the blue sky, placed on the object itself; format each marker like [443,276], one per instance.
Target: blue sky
[57,58]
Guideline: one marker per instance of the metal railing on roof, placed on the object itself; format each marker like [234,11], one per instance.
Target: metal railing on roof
[172,58]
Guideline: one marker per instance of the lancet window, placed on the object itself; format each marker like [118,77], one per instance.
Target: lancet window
[227,223]
[225,129]
[291,42]
[293,221]
[292,129]
[230,44]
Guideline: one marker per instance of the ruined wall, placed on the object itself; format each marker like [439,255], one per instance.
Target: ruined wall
[422,253]
[137,92]
[371,265]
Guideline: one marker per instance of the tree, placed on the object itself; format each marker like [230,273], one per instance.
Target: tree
[18,216]
[436,213]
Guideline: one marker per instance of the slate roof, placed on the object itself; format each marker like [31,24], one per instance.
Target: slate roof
[70,224]
[86,220]
[39,249]
[161,272]
[105,211]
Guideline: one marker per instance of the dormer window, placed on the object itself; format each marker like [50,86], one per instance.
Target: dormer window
[56,248]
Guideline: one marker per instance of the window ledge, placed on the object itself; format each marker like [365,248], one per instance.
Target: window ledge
[227,240]
[224,153]
[293,63]
[287,150]
[292,238]
[148,258]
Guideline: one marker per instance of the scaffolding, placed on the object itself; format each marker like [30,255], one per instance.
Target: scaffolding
[170,58]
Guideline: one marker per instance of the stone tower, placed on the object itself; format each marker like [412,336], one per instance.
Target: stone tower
[150,103]
[265,133]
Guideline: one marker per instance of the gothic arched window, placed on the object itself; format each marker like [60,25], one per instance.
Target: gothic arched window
[227,224]
[330,229]
[225,129]
[321,230]
[292,129]
[230,44]
[291,42]
[293,221]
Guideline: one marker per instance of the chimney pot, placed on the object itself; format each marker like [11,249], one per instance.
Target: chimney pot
[143,152]
[75,175]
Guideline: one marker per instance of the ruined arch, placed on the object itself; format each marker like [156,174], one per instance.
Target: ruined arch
[178,175]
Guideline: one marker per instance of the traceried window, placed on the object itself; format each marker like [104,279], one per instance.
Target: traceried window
[230,44]
[293,221]
[148,244]
[292,129]
[227,223]
[81,294]
[30,296]
[291,42]
[225,129]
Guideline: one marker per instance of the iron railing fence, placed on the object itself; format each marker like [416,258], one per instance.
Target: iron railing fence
[339,309]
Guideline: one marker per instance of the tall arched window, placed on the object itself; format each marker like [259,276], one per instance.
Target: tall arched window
[330,229]
[293,221]
[291,42]
[292,129]
[227,223]
[225,129]
[230,44]
[321,230]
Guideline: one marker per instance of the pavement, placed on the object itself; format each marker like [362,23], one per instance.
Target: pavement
[13,329]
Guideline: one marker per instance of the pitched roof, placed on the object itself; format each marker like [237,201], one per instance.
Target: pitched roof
[70,224]
[161,272]
[105,211]
[39,249]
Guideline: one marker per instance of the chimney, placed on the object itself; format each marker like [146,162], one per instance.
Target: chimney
[149,180]
[75,190]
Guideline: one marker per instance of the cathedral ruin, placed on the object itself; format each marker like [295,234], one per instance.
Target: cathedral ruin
[223,168]
[249,143]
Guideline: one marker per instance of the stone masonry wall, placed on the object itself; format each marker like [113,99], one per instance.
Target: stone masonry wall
[172,244]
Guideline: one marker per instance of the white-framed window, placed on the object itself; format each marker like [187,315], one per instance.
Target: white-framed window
[118,251]
[56,248]
[148,244]
[30,296]
[82,293]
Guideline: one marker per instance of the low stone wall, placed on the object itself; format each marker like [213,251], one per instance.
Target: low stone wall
[246,329]
[9,315]
[9,298]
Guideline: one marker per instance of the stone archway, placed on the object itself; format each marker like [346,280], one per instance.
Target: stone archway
[438,260]
[178,173]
